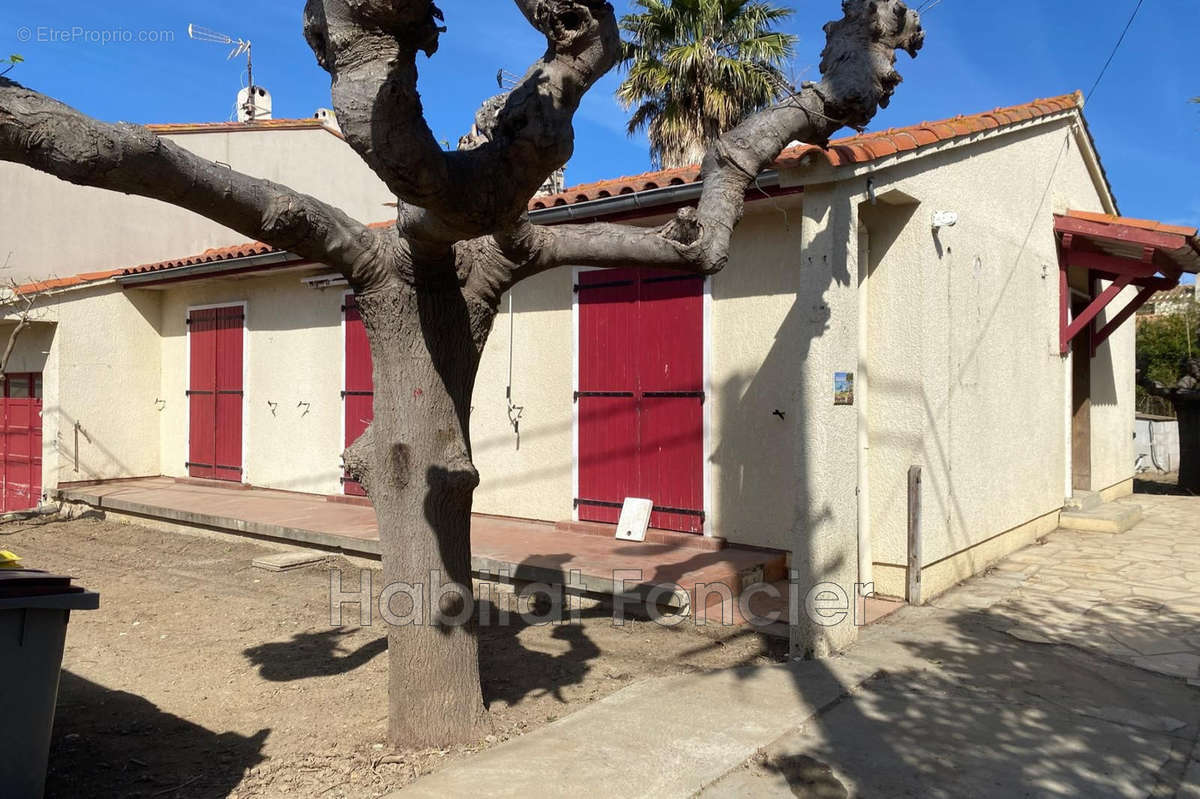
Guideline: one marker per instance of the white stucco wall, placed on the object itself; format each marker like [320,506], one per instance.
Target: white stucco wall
[98,353]
[293,354]
[756,341]
[965,376]
[54,228]
[1114,401]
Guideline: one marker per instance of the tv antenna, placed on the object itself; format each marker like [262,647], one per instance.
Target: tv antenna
[507,80]
[238,46]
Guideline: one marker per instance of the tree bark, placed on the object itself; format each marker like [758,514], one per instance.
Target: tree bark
[1187,412]
[415,463]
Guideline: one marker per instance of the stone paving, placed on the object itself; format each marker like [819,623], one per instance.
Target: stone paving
[1056,674]
[1133,597]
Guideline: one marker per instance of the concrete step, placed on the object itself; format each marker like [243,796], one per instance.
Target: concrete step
[1084,501]
[1109,518]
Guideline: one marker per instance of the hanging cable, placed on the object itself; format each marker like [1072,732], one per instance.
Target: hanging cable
[1113,55]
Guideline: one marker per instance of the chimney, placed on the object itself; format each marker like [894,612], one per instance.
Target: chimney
[254,104]
[328,118]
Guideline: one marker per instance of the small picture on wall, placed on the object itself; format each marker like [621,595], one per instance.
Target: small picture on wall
[843,388]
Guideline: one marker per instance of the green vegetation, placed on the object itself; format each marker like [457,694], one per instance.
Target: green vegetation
[1163,342]
[696,68]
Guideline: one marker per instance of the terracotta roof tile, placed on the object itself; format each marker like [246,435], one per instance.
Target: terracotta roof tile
[853,150]
[859,149]
[1145,224]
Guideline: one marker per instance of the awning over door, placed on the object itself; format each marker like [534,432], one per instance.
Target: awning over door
[1125,252]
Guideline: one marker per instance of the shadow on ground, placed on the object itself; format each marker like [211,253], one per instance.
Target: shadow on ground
[320,654]
[956,707]
[1160,487]
[110,743]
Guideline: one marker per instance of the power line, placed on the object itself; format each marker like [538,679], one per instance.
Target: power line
[1113,55]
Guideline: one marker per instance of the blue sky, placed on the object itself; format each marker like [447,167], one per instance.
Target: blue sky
[977,56]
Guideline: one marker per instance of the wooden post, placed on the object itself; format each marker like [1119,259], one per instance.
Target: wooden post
[913,593]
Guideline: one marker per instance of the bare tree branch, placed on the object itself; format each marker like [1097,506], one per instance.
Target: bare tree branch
[370,48]
[859,77]
[51,137]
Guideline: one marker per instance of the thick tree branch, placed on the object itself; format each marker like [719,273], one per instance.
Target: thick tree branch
[369,47]
[51,137]
[859,77]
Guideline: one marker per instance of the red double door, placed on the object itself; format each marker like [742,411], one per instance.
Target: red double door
[358,396]
[215,393]
[640,399]
[21,450]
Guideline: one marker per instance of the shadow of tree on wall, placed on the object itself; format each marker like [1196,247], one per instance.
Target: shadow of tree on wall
[110,743]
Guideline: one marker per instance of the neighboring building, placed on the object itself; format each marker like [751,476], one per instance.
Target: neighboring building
[49,228]
[900,299]
[1174,302]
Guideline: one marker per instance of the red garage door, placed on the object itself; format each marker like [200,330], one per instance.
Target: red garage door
[215,393]
[641,395]
[21,452]
[358,396]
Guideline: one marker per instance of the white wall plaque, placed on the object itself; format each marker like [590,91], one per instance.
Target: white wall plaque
[635,519]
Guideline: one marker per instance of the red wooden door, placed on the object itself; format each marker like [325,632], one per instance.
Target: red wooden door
[358,396]
[21,450]
[641,396]
[216,393]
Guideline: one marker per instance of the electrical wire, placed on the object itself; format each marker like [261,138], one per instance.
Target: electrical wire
[1116,48]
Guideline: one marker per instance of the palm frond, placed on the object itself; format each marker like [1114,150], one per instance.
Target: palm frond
[696,68]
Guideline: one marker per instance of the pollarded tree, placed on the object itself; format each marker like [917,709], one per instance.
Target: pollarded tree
[429,287]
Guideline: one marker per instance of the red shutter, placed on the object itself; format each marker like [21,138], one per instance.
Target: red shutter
[359,393]
[216,393]
[21,449]
[607,398]
[671,378]
[641,395]
[202,394]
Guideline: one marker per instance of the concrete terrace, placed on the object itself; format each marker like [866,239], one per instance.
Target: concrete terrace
[580,556]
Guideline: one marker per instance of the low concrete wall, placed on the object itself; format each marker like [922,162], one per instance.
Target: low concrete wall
[1156,443]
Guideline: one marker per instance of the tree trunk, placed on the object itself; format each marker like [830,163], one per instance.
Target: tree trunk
[1187,411]
[415,463]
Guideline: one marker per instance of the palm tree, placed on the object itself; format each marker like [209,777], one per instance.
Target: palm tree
[698,67]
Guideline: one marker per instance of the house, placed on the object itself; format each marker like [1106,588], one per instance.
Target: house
[1175,302]
[51,229]
[950,296]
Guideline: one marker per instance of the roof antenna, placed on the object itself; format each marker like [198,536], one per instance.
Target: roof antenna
[254,102]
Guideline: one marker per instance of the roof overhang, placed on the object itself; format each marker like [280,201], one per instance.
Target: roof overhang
[273,262]
[1149,256]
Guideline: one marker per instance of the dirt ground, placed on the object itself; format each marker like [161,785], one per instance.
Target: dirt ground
[201,676]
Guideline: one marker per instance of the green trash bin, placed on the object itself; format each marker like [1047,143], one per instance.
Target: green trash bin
[34,610]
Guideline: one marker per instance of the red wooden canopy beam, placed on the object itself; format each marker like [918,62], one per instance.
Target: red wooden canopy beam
[1123,234]
[1123,272]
